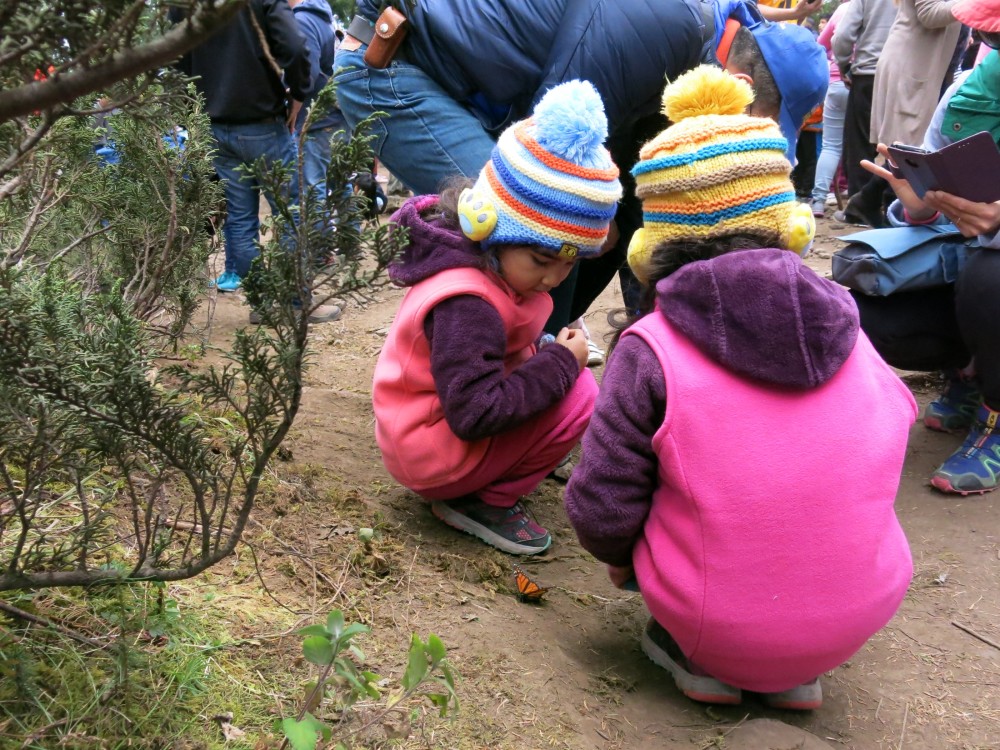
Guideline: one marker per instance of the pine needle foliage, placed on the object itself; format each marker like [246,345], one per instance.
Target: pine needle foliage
[113,469]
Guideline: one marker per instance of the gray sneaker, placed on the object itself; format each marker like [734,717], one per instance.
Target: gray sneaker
[322,314]
[511,529]
[694,682]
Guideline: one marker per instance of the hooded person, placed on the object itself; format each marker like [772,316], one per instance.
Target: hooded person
[469,413]
[746,447]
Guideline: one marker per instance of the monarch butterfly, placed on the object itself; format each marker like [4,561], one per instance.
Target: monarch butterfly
[527,590]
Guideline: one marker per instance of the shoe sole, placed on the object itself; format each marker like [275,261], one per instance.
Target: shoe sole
[938,425]
[945,486]
[792,705]
[695,687]
[257,319]
[463,523]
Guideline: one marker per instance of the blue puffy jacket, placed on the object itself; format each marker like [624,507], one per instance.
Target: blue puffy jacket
[509,52]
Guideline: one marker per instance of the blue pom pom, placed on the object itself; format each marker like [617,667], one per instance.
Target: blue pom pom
[570,122]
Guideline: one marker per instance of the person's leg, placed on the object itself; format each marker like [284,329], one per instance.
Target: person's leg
[517,461]
[857,127]
[978,310]
[834,108]
[242,224]
[806,155]
[975,466]
[426,136]
[316,161]
[914,330]
[562,300]
[595,274]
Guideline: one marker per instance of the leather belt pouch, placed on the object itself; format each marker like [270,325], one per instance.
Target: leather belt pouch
[390,31]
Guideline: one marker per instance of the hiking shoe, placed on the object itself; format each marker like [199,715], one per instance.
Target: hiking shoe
[856,212]
[818,209]
[805,697]
[954,409]
[973,468]
[511,529]
[229,281]
[325,314]
[691,680]
[322,314]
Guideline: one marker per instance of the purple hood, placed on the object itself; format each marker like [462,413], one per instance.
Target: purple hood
[763,314]
[433,246]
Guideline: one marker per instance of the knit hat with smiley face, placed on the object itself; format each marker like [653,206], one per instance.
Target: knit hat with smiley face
[550,183]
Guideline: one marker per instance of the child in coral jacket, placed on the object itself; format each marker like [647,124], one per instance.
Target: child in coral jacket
[747,443]
[468,412]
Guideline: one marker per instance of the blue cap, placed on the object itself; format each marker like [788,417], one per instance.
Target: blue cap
[800,69]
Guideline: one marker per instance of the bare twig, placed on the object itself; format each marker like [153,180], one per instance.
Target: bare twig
[13,611]
[974,634]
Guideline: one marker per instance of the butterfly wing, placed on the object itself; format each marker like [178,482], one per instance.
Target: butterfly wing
[527,590]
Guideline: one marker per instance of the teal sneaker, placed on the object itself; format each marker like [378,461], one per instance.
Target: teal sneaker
[974,467]
[955,409]
[229,281]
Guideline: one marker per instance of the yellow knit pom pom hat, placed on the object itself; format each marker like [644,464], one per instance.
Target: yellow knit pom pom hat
[715,172]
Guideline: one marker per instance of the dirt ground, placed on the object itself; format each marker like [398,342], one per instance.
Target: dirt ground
[568,673]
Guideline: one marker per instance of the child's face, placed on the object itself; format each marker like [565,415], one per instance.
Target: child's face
[530,271]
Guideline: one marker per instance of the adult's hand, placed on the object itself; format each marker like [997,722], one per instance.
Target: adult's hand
[916,209]
[293,114]
[805,8]
[801,10]
[971,218]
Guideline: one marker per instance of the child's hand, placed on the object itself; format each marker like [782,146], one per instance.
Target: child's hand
[620,576]
[576,342]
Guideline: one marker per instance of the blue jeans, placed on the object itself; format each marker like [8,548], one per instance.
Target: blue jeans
[238,147]
[834,107]
[426,136]
[316,159]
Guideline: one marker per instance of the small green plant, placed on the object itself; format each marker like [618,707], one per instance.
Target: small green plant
[345,684]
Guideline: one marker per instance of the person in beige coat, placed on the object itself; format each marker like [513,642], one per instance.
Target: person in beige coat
[911,69]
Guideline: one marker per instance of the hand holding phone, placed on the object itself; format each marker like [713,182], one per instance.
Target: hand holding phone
[969,168]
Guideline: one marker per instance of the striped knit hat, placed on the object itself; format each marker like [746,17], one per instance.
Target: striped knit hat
[550,182]
[715,172]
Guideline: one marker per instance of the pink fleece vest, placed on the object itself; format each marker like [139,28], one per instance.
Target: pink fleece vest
[772,551]
[418,447]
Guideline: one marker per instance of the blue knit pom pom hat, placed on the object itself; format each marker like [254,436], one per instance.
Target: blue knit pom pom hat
[550,182]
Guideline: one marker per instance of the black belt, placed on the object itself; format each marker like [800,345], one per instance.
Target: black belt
[364,31]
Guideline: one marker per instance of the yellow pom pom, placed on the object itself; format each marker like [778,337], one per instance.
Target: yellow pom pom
[476,214]
[706,90]
[801,229]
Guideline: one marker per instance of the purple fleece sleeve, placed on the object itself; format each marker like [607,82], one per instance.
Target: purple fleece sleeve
[610,491]
[468,342]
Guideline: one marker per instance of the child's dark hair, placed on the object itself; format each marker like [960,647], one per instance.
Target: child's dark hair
[672,255]
[446,211]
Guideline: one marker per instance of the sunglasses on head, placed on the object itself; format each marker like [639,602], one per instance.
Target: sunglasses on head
[989,38]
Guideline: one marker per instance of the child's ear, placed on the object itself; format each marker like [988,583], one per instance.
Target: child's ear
[638,255]
[801,229]
[476,214]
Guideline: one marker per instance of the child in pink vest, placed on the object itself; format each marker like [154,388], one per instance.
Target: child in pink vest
[747,443]
[469,414]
